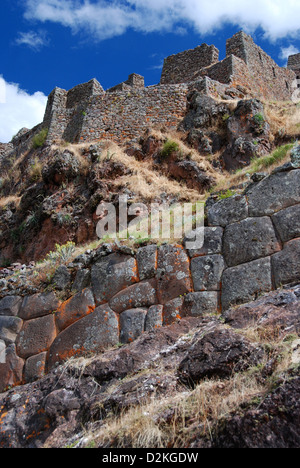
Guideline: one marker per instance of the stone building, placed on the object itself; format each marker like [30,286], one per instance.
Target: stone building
[125,111]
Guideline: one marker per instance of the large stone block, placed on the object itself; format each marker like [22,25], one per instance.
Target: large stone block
[147,261]
[91,334]
[10,305]
[132,324]
[111,274]
[249,240]
[274,193]
[173,273]
[11,370]
[198,304]
[213,239]
[287,223]
[75,308]
[227,211]
[36,336]
[138,295]
[173,311]
[207,272]
[243,283]
[286,264]
[10,327]
[154,318]
[35,367]
[38,305]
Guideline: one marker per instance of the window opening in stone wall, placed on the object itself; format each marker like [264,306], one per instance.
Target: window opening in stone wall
[274,73]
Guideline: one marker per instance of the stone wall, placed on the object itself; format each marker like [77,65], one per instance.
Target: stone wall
[181,67]
[117,115]
[294,64]
[134,81]
[267,79]
[251,246]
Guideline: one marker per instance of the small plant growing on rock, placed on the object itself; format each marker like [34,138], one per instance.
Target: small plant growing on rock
[169,147]
[39,140]
[62,253]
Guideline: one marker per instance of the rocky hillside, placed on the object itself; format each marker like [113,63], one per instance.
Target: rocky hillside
[142,344]
[230,381]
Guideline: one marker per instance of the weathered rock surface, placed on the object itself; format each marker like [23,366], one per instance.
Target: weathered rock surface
[111,274]
[274,193]
[245,282]
[173,273]
[217,352]
[256,233]
[93,333]
[273,424]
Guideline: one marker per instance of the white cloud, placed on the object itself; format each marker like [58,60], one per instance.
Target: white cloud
[104,19]
[19,109]
[34,40]
[285,52]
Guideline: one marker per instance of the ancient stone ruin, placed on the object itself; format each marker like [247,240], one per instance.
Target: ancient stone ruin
[251,247]
[123,112]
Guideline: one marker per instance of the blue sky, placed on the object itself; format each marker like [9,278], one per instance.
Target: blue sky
[48,43]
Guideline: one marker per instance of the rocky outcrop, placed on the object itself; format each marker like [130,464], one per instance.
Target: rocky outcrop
[74,400]
[251,246]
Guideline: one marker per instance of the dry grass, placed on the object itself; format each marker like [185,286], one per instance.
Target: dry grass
[170,421]
[283,117]
[146,182]
[4,201]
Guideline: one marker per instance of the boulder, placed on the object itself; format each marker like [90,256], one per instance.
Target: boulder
[207,272]
[61,278]
[243,283]
[173,310]
[36,336]
[142,294]
[217,352]
[10,327]
[82,280]
[249,240]
[198,304]
[287,223]
[274,193]
[91,334]
[63,166]
[10,305]
[227,211]
[248,134]
[154,318]
[132,324]
[75,308]
[111,274]
[38,305]
[173,273]
[11,370]
[35,367]
[286,264]
[212,241]
[147,261]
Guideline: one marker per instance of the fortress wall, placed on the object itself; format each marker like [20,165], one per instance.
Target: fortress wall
[83,92]
[267,78]
[125,115]
[181,68]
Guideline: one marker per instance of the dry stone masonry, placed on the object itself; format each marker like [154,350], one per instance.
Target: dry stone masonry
[123,112]
[251,246]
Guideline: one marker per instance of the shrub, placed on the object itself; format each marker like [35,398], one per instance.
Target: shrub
[62,253]
[39,139]
[169,147]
